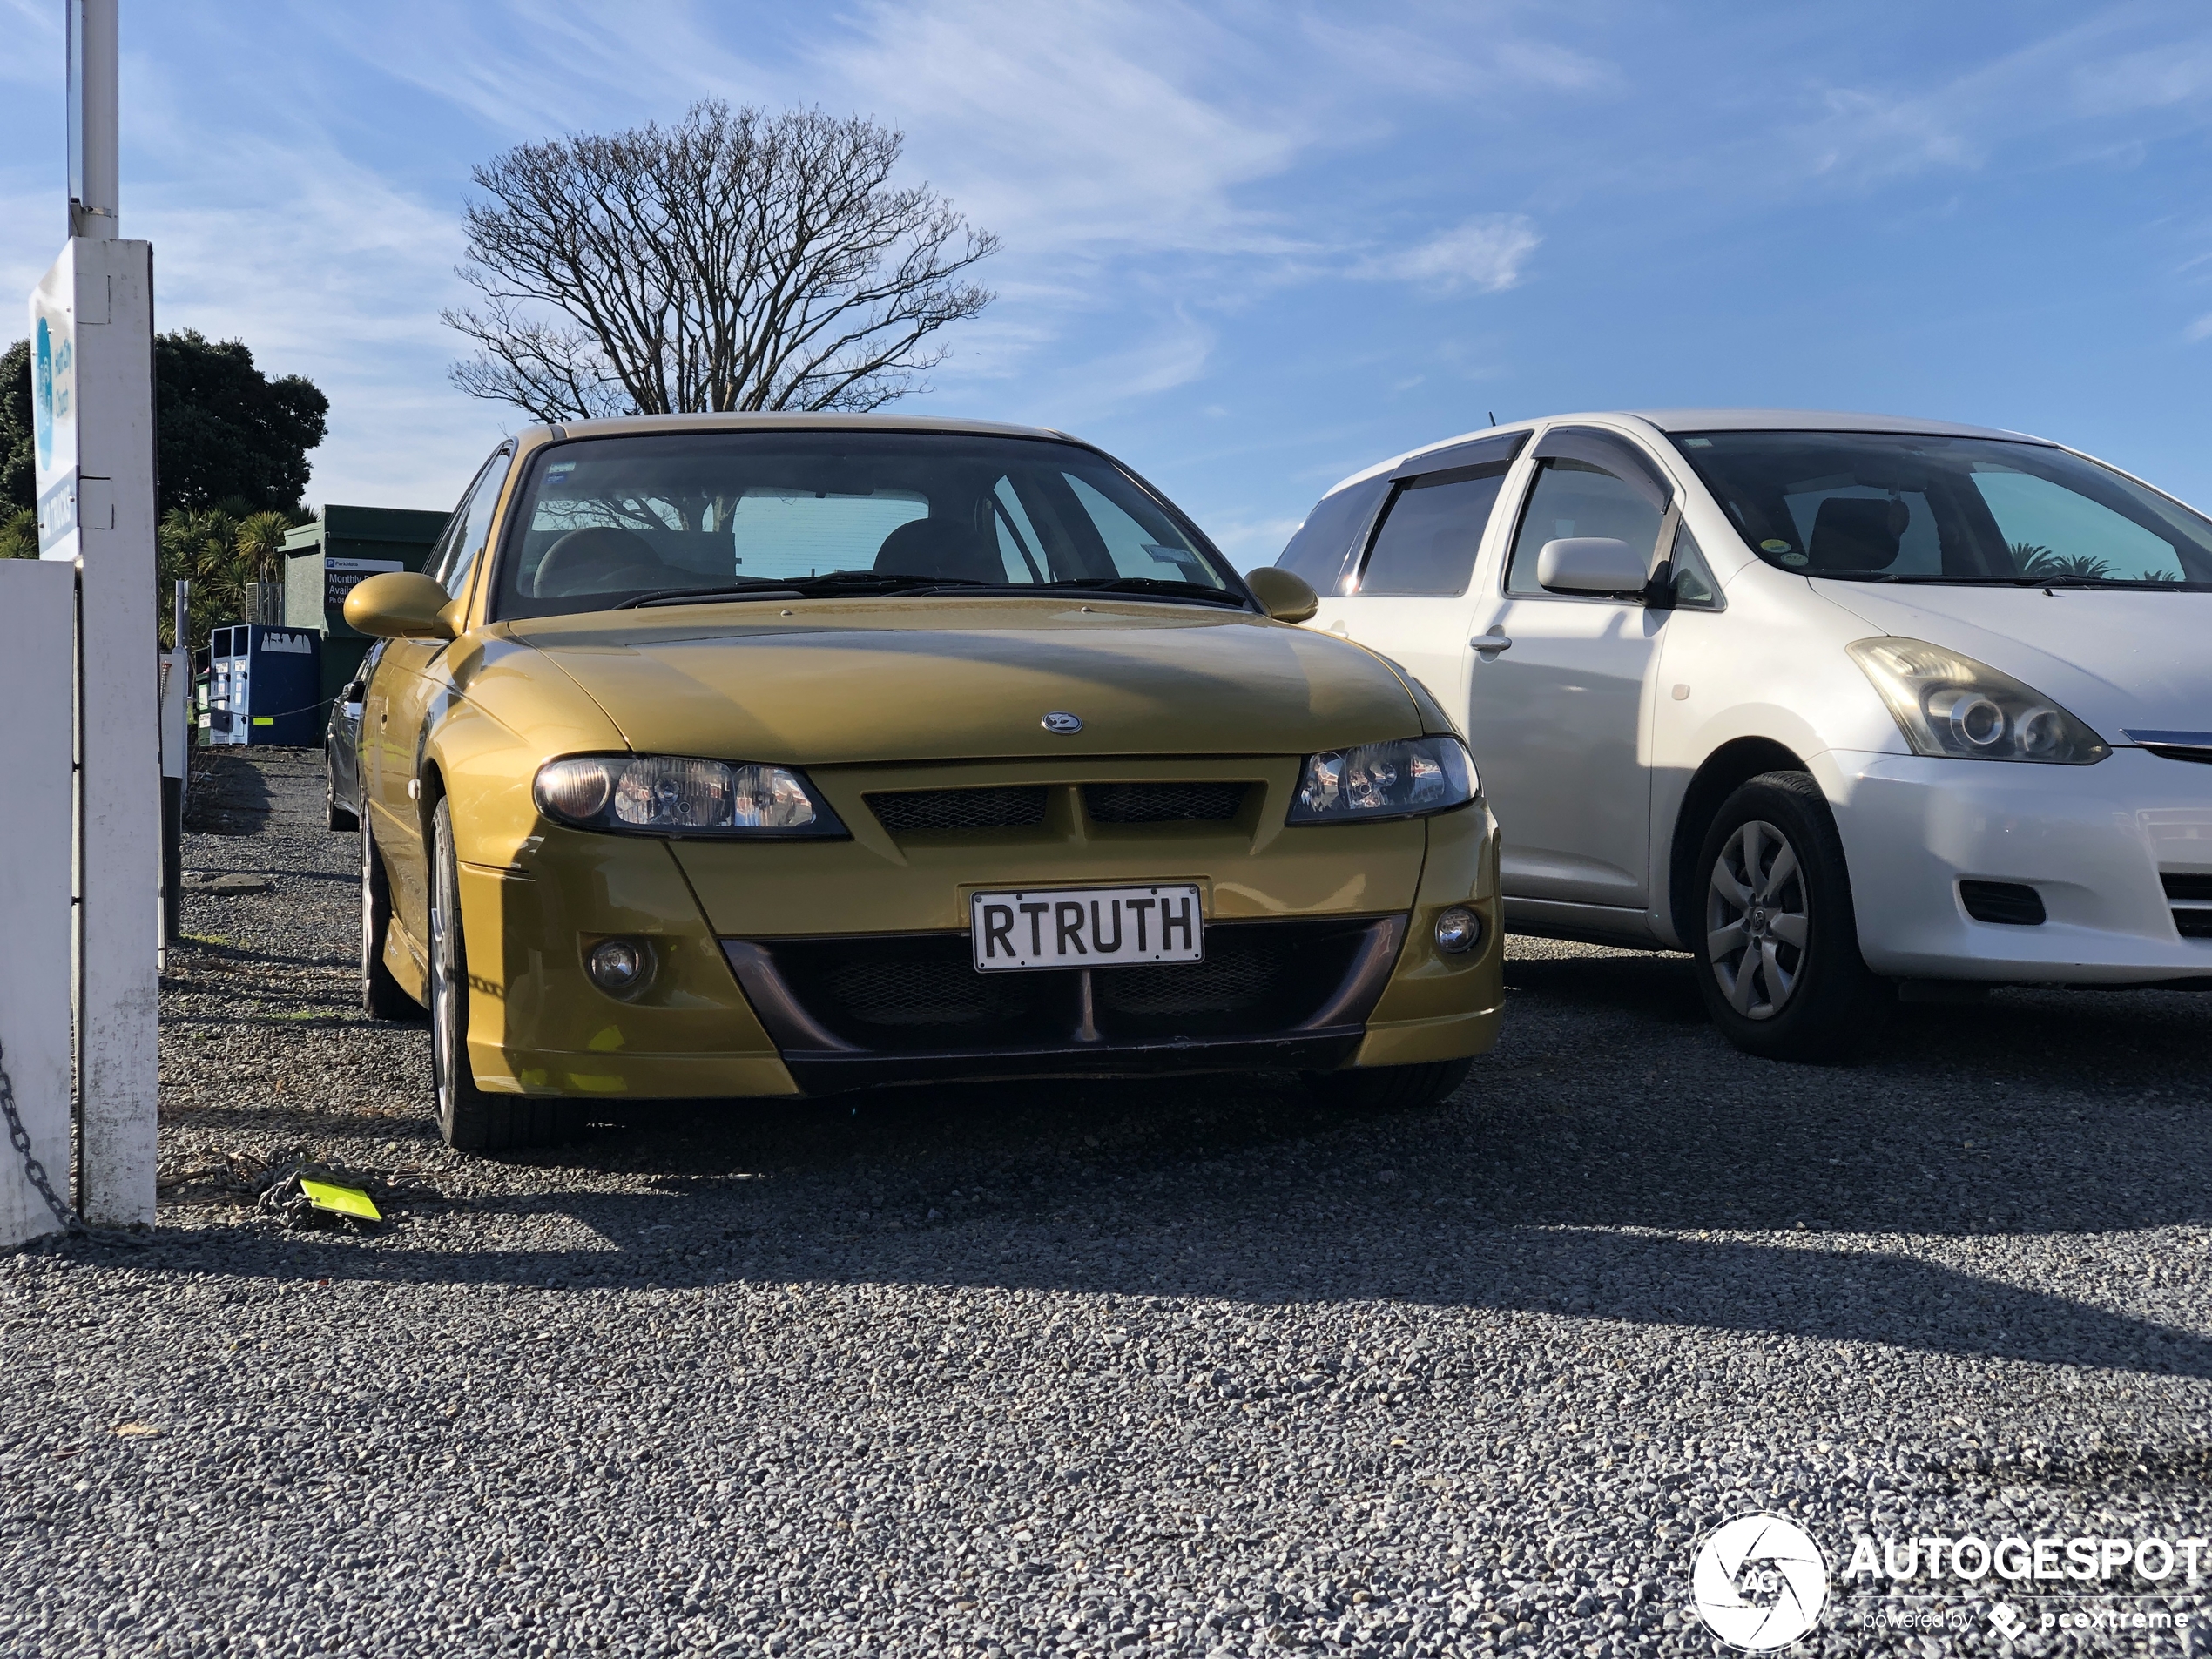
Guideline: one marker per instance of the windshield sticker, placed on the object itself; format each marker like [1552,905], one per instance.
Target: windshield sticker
[1795,558]
[1776,547]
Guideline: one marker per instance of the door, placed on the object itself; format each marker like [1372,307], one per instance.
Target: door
[409,676]
[1405,592]
[1559,704]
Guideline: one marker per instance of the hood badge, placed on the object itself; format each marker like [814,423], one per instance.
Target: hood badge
[1063,722]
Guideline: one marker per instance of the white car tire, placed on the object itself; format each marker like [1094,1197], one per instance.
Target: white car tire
[1774,933]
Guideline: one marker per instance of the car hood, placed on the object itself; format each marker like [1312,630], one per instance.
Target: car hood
[841,681]
[2122,659]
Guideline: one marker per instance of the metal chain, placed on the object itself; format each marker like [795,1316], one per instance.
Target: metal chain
[19,1137]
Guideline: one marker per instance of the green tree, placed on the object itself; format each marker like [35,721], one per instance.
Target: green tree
[218,549]
[19,461]
[224,430]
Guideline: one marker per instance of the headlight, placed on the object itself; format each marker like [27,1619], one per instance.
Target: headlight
[1951,705]
[662,795]
[1410,779]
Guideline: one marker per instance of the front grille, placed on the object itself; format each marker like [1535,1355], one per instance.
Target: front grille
[911,812]
[2009,902]
[920,993]
[1195,803]
[2192,898]
[2184,889]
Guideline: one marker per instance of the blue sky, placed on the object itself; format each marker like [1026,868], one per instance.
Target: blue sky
[1249,248]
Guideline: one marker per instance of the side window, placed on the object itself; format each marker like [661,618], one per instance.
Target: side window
[1432,532]
[471,524]
[1330,538]
[1695,588]
[1586,484]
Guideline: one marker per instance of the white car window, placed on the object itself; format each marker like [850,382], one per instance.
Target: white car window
[1431,532]
[1573,497]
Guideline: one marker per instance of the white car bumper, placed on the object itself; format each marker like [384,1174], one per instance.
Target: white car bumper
[2094,842]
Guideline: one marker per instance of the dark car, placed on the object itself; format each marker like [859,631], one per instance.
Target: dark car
[341,766]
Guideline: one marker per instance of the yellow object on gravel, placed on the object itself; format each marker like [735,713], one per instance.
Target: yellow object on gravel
[344,1201]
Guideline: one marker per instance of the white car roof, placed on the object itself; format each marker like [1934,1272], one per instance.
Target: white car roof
[1712,420]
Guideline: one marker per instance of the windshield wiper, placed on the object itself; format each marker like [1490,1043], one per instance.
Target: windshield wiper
[1160,585]
[829,584]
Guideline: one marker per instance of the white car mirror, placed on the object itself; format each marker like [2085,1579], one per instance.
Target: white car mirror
[1590,565]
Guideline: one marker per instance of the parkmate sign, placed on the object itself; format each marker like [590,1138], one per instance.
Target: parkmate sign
[53,406]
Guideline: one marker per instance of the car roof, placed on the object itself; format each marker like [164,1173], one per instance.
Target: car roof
[1708,420]
[1813,421]
[796,420]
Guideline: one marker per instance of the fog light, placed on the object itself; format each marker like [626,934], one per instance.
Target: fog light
[1458,930]
[619,966]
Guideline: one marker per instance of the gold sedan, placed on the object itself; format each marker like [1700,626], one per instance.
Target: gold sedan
[735,756]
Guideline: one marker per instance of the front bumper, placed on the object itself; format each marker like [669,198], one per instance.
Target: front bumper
[1331,931]
[2095,842]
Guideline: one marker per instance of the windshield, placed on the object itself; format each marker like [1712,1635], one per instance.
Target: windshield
[1895,507]
[665,518]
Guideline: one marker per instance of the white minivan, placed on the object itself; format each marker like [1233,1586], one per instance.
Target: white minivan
[1847,706]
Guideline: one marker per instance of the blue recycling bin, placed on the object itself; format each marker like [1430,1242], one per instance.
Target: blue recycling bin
[264,685]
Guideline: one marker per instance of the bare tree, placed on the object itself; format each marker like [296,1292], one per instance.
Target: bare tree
[736,261]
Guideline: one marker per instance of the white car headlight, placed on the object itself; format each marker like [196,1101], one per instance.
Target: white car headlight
[1410,779]
[1948,704]
[668,795]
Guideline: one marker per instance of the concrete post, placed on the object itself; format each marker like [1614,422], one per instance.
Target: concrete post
[38,606]
[119,702]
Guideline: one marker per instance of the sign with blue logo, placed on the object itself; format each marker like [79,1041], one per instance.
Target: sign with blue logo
[53,406]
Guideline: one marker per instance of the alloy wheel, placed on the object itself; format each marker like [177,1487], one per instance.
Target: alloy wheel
[1757,920]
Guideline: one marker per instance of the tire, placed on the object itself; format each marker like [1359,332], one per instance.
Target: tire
[1391,1088]
[470,1119]
[334,816]
[381,997]
[1774,933]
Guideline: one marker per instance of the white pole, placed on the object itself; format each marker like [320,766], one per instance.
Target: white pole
[92,387]
[95,165]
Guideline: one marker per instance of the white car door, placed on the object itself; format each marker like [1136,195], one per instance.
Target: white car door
[1559,702]
[1405,590]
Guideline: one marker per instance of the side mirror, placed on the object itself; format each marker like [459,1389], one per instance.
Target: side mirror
[1282,594]
[400,605]
[1586,564]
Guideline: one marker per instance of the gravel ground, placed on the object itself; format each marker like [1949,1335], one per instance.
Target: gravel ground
[1048,1370]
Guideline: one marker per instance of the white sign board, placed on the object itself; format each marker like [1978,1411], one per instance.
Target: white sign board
[54,405]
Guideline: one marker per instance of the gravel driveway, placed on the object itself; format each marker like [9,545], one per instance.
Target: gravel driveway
[1208,1368]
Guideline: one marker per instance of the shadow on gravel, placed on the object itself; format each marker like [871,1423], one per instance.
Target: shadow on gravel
[1186,1192]
[228,797]
[707,1238]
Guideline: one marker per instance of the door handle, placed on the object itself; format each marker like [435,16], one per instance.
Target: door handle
[1491,644]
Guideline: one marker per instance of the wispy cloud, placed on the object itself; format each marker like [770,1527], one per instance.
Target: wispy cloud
[2200,330]
[1486,253]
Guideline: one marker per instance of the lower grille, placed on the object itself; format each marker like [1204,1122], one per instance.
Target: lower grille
[1197,803]
[921,994]
[2012,903]
[911,810]
[2192,899]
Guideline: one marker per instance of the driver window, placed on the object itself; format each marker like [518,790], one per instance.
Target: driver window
[1573,497]
[471,524]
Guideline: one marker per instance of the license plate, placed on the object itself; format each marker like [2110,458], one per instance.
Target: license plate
[1086,927]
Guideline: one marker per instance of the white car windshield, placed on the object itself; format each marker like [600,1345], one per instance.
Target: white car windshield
[1901,507]
[665,518]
